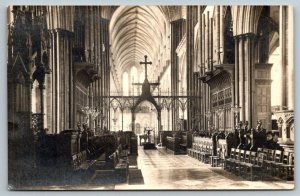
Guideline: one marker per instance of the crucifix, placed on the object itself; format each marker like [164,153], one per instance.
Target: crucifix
[146,79]
[146,63]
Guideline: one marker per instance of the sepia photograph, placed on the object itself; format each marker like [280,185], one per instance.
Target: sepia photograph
[150,97]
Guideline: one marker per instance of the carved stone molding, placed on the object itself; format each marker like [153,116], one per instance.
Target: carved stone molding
[285,121]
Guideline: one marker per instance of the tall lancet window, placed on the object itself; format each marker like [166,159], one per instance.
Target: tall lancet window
[134,78]
[125,84]
[142,76]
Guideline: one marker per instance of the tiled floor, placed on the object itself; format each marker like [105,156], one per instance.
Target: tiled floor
[162,170]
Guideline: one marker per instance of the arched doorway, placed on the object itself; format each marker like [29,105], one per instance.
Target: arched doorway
[146,116]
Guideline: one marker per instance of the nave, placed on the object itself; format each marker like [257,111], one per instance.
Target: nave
[163,170]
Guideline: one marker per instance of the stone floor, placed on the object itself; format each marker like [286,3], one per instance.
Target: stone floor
[162,170]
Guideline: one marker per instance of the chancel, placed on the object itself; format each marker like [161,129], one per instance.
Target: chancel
[150,97]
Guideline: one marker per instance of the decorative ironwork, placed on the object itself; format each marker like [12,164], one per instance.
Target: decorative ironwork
[90,111]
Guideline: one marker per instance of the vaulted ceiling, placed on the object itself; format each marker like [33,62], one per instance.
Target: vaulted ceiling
[136,31]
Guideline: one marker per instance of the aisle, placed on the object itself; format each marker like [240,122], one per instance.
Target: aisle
[162,170]
[157,169]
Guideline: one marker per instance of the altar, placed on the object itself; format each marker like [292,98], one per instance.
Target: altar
[149,139]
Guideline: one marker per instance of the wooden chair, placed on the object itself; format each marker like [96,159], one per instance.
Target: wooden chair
[223,156]
[286,170]
[257,167]
[269,160]
[206,153]
[246,164]
[202,152]
[229,161]
[259,150]
[265,150]
[195,150]
[276,163]
[235,162]
[198,151]
[240,161]
[191,150]
[214,160]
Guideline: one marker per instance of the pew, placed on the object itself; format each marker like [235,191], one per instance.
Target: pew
[178,143]
[172,144]
[77,155]
[164,135]
[186,141]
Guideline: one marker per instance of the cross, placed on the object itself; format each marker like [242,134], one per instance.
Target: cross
[146,85]
[146,63]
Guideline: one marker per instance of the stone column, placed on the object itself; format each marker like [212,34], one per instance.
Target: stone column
[221,33]
[244,78]
[203,43]
[176,36]
[290,58]
[218,34]
[241,79]
[190,18]
[212,44]
[159,120]
[282,44]
[200,38]
[90,104]
[133,120]
[207,42]
[42,88]
[250,78]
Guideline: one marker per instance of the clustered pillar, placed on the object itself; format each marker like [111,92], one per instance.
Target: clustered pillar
[177,32]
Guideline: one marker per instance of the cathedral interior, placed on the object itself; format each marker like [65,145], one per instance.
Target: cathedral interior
[150,97]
